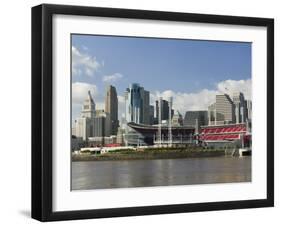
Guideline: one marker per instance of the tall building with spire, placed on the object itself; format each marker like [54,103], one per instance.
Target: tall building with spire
[111,107]
[84,124]
[89,107]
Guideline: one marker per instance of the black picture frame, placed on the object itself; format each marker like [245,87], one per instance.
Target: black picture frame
[42,111]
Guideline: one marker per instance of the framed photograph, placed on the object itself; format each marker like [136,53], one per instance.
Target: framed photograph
[145,112]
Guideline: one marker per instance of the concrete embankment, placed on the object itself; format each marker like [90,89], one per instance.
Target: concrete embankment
[149,154]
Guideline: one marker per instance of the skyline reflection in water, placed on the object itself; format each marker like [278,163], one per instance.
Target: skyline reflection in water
[159,172]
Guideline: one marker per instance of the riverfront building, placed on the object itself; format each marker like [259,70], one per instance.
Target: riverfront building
[101,141]
[76,143]
[111,108]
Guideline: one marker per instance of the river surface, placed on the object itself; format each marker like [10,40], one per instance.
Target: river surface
[159,172]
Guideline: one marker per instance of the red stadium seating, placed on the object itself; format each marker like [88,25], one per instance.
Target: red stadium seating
[223,132]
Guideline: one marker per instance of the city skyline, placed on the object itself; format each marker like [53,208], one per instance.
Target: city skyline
[95,125]
[167,99]
[93,69]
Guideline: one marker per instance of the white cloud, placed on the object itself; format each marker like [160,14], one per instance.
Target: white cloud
[232,86]
[183,102]
[112,78]
[80,90]
[83,63]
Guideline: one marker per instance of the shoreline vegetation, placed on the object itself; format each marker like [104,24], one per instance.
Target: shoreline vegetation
[150,153]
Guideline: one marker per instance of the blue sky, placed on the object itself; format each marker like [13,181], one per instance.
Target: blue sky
[161,66]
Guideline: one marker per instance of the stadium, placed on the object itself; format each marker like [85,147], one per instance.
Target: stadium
[141,134]
[220,135]
[229,135]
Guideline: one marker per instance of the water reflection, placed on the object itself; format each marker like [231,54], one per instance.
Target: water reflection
[161,172]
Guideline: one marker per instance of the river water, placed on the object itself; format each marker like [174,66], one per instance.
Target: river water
[159,172]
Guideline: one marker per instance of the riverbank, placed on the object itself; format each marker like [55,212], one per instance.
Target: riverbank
[152,153]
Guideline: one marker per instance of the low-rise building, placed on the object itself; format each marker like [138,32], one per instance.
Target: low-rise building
[77,143]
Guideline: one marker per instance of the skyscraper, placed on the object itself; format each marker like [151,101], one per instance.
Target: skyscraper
[137,104]
[224,109]
[83,128]
[164,109]
[240,107]
[248,109]
[211,114]
[151,114]
[101,124]
[111,107]
[84,124]
[89,107]
[146,107]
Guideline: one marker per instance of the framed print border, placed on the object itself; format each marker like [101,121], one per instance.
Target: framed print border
[42,111]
